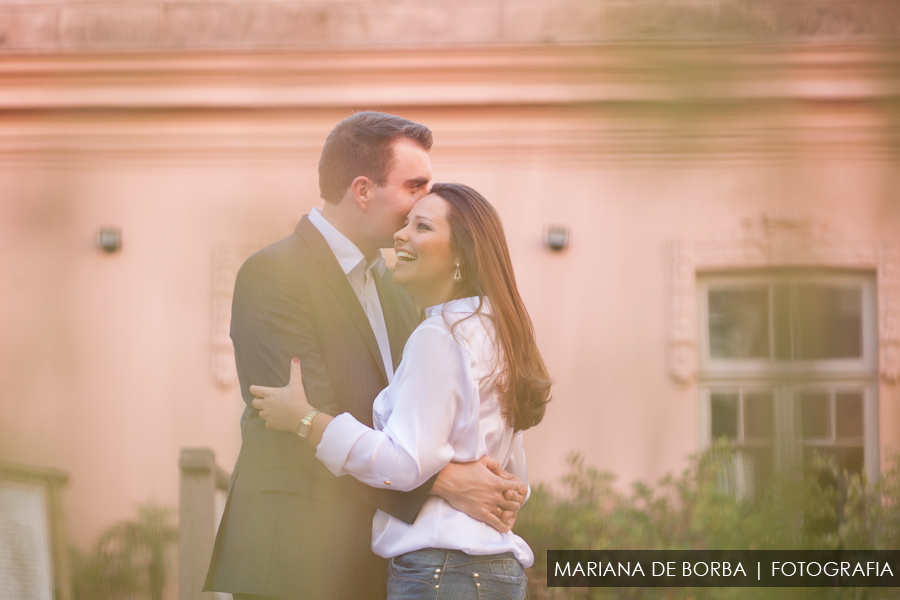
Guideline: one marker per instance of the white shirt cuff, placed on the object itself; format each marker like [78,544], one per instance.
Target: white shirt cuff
[337,441]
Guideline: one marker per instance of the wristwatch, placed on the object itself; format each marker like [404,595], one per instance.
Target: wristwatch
[306,423]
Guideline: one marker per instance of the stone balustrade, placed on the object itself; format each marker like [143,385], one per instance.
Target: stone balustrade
[202,498]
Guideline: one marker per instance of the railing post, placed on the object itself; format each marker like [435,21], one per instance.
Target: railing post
[198,518]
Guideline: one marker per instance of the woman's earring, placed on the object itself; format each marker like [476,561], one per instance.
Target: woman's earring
[457,276]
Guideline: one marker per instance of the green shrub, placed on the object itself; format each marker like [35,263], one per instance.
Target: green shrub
[820,508]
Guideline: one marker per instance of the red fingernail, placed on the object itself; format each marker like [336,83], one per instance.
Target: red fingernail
[296,360]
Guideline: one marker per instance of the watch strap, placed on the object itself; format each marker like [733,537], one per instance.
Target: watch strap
[306,423]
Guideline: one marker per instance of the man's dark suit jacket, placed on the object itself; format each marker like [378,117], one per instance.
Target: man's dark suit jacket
[290,528]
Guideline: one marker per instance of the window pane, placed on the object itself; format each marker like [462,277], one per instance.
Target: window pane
[781,306]
[763,461]
[849,415]
[724,415]
[739,323]
[827,322]
[758,419]
[851,459]
[815,416]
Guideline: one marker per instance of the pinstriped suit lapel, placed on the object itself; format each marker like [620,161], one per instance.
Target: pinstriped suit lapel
[336,280]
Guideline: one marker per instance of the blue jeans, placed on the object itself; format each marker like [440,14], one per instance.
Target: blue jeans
[435,574]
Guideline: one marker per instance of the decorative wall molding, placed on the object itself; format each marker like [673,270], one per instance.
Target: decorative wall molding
[527,76]
[177,24]
[549,139]
[773,241]
[618,102]
[227,260]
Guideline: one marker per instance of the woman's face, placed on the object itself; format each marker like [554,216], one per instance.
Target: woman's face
[425,261]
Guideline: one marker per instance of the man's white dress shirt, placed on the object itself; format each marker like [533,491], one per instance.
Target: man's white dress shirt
[442,406]
[361,274]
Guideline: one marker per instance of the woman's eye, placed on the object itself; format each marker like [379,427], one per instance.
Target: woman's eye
[424,227]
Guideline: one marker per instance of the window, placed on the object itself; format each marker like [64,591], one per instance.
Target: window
[788,368]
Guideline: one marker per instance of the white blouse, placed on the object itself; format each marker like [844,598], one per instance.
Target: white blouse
[442,406]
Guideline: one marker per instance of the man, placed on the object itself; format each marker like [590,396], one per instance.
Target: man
[291,529]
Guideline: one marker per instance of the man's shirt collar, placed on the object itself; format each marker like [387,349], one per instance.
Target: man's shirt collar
[347,254]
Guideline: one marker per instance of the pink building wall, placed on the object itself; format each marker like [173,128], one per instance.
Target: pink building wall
[110,362]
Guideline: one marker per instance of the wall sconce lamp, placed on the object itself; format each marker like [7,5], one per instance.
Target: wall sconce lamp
[557,237]
[109,239]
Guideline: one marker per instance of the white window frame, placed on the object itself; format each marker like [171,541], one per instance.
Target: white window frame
[786,378]
[711,368]
[786,446]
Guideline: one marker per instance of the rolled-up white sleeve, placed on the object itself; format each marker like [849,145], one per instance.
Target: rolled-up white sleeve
[434,397]
[337,441]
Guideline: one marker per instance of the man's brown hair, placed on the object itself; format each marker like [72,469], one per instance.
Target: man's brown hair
[362,144]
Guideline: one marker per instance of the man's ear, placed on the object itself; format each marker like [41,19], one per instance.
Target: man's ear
[361,190]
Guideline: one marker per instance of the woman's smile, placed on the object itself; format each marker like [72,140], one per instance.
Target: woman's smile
[425,259]
[404,256]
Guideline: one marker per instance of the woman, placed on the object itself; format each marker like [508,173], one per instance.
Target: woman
[471,380]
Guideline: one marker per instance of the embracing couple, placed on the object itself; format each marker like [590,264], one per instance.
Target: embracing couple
[385,432]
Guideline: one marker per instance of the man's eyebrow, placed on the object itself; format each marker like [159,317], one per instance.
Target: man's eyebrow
[416,182]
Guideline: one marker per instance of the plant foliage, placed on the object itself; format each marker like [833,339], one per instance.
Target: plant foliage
[820,508]
[129,561]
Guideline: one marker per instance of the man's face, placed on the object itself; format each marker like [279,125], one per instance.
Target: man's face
[408,180]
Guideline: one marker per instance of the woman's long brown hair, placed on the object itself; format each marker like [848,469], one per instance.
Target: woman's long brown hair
[486,271]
